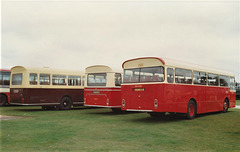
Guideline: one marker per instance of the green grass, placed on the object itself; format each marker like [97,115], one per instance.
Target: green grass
[83,129]
[238,102]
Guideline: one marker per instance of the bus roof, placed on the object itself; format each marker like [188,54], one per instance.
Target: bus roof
[101,69]
[17,69]
[154,61]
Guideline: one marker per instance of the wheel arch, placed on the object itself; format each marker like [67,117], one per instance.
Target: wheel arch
[3,94]
[67,96]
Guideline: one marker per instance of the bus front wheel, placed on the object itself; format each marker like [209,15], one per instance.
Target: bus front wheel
[3,100]
[65,103]
[191,110]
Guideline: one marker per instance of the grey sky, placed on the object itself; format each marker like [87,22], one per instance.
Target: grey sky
[77,34]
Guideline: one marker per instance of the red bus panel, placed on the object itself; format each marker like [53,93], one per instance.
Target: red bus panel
[175,97]
[102,97]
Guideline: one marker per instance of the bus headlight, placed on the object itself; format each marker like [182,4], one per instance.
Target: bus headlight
[155,103]
[107,102]
[123,103]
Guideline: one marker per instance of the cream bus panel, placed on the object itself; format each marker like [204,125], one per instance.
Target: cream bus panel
[28,82]
[4,90]
[98,69]
[144,62]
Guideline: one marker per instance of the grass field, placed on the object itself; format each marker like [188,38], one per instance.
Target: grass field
[99,129]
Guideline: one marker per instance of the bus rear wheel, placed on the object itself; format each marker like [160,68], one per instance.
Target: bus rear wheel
[191,110]
[225,106]
[3,100]
[65,103]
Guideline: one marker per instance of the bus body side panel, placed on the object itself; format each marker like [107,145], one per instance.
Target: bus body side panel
[183,93]
[232,99]
[212,98]
[103,97]
[199,94]
[42,96]
[16,95]
[169,97]
[223,93]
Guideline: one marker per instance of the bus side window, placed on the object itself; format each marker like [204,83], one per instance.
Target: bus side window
[199,78]
[33,79]
[183,76]
[118,79]
[212,79]
[74,80]
[44,79]
[170,75]
[232,82]
[83,80]
[224,81]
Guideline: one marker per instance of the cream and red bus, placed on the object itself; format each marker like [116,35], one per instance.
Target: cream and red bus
[157,85]
[46,87]
[4,86]
[103,87]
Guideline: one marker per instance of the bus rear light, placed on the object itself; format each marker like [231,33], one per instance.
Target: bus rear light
[22,100]
[84,101]
[155,103]
[123,103]
[107,102]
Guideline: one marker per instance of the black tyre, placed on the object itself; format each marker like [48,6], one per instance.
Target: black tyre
[44,107]
[65,103]
[3,100]
[225,106]
[191,110]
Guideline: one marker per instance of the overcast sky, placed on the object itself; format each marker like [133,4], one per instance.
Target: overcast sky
[77,34]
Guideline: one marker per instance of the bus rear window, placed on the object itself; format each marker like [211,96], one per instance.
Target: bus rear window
[96,79]
[149,74]
[17,79]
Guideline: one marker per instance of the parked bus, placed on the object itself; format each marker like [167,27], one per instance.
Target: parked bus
[157,85]
[46,87]
[103,87]
[4,86]
[238,90]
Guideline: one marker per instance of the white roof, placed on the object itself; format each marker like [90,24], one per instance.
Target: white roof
[45,70]
[101,69]
[154,61]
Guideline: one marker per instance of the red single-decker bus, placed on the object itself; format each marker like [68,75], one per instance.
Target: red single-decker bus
[4,86]
[157,85]
[103,87]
